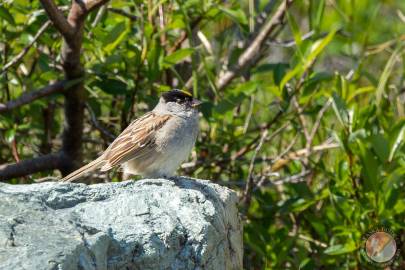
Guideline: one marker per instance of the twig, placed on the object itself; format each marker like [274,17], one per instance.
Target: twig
[383,46]
[24,51]
[48,115]
[162,25]
[90,5]
[30,166]
[292,43]
[261,18]
[7,88]
[296,178]
[58,19]
[287,149]
[289,156]
[249,115]
[249,183]
[254,47]
[28,97]
[104,132]
[15,151]
[205,42]
[123,13]
[309,239]
[99,16]
[239,154]
[250,145]
[183,36]
[317,124]
[282,161]
[301,117]
[46,179]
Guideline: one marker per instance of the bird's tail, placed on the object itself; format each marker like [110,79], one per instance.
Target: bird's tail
[95,164]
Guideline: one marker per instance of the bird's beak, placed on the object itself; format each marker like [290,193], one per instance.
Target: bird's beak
[195,103]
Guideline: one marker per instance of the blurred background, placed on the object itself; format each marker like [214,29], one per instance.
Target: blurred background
[303,114]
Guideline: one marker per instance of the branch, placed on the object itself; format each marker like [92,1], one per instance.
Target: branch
[105,133]
[34,165]
[123,13]
[317,124]
[280,162]
[247,194]
[301,117]
[183,36]
[253,49]
[93,4]
[28,97]
[57,18]
[19,56]
[296,178]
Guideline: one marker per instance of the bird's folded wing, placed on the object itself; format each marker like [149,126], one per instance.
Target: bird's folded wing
[135,141]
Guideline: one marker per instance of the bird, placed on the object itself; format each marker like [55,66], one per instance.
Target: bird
[154,145]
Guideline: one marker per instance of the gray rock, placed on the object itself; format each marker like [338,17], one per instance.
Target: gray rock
[147,224]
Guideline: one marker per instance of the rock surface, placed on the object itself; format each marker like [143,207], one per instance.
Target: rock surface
[147,224]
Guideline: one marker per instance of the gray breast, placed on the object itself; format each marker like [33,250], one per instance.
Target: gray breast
[178,133]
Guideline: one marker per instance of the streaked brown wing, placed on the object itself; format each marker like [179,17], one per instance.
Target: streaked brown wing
[135,141]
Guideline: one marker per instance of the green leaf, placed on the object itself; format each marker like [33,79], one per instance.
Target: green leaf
[154,56]
[316,48]
[340,249]
[396,138]
[229,103]
[319,13]
[177,57]
[295,29]
[112,86]
[314,80]
[307,264]
[387,72]
[369,170]
[10,135]
[358,91]
[340,109]
[318,226]
[302,204]
[391,198]
[236,15]
[246,88]
[380,147]
[318,77]
[5,14]
[279,72]
[114,33]
[399,207]
[115,37]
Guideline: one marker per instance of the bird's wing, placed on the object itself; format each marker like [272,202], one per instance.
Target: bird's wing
[135,141]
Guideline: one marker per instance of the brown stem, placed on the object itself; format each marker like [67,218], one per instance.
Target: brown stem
[47,113]
[57,18]
[253,47]
[30,166]
[29,97]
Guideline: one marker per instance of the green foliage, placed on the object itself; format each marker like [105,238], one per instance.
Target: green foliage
[352,60]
